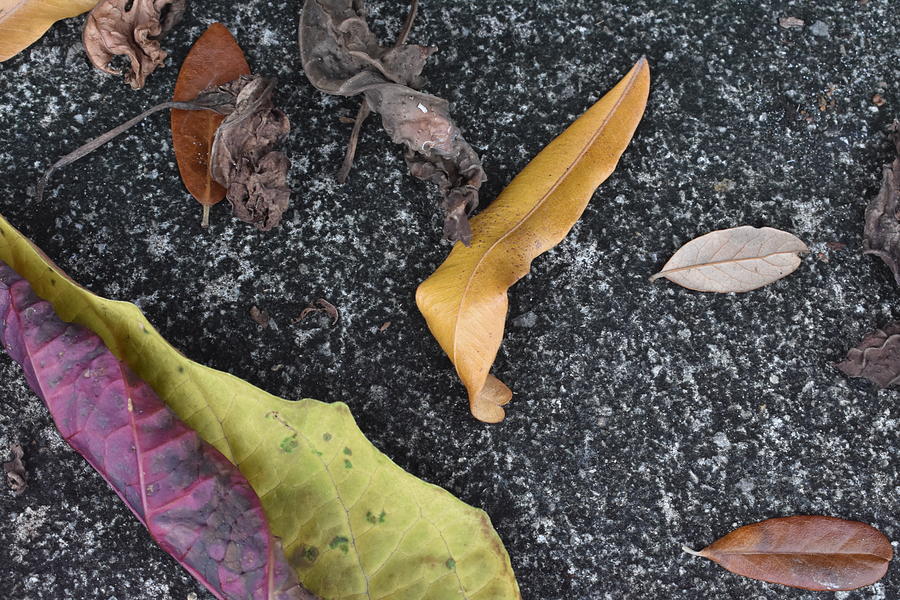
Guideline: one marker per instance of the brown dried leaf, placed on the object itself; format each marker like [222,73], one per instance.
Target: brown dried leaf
[791,22]
[341,56]
[881,235]
[132,28]
[244,158]
[876,358]
[260,317]
[16,475]
[808,552]
[739,259]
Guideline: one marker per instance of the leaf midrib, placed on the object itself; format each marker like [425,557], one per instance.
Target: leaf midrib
[636,73]
[725,261]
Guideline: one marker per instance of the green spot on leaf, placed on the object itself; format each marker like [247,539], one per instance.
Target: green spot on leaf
[348,464]
[289,444]
[311,554]
[316,452]
[371,518]
[451,564]
[340,542]
[348,451]
[327,437]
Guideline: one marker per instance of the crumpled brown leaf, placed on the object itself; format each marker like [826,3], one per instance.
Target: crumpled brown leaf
[341,56]
[16,475]
[243,157]
[881,235]
[876,358]
[132,28]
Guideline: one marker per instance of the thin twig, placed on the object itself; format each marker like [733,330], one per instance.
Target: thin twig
[109,135]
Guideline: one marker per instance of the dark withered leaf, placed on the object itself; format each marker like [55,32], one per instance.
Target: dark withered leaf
[881,236]
[341,56]
[16,476]
[877,357]
[259,316]
[243,157]
[131,28]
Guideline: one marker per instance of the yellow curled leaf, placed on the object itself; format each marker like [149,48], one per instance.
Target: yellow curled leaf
[465,299]
[23,22]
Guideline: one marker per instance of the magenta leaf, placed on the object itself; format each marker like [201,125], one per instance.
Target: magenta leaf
[194,502]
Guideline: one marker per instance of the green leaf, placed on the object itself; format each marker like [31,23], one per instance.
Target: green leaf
[354,525]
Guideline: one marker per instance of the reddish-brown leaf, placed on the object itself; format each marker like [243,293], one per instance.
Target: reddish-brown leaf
[215,59]
[808,552]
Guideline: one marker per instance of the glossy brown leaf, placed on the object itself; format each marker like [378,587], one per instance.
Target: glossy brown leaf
[808,552]
[214,60]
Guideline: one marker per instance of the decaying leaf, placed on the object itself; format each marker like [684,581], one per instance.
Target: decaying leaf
[739,259]
[244,156]
[194,502]
[881,235]
[16,476]
[877,357]
[260,317]
[131,28]
[808,552]
[341,56]
[465,300]
[354,525]
[23,22]
[214,59]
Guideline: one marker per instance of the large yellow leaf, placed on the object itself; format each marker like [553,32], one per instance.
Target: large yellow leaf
[465,300]
[22,22]
[354,525]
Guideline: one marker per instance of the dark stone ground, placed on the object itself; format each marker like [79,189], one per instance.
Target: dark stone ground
[645,415]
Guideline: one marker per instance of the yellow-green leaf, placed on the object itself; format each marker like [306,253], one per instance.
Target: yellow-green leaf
[465,299]
[22,22]
[354,525]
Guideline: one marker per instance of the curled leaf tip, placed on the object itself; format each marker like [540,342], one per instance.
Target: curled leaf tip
[487,404]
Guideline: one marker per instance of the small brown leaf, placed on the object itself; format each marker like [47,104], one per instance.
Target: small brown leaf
[15,471]
[881,235]
[876,358]
[260,317]
[808,552]
[132,28]
[324,306]
[734,260]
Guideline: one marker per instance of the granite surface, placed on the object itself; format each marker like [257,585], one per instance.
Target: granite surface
[645,416]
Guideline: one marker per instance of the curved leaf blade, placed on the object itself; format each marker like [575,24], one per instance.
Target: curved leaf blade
[23,22]
[353,524]
[194,503]
[807,552]
[465,300]
[739,259]
[213,60]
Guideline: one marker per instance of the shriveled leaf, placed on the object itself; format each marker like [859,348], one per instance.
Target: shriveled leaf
[739,259]
[353,524]
[341,56]
[215,59]
[130,28]
[881,235]
[194,503]
[465,300]
[23,22]
[16,476]
[808,552]
[877,357]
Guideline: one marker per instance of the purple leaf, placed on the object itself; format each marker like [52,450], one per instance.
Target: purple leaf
[195,503]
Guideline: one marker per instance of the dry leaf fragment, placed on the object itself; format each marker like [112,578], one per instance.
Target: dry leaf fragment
[132,28]
[23,22]
[808,552]
[260,317]
[881,235]
[215,59]
[16,475]
[734,260]
[465,300]
[876,358]
[324,306]
[341,56]
[791,22]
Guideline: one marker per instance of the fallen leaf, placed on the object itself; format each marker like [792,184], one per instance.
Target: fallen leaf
[23,22]
[260,317]
[808,552]
[354,525]
[465,299]
[214,59]
[881,235]
[877,357]
[16,476]
[194,503]
[341,56]
[130,28]
[791,22]
[384,326]
[323,306]
[734,260]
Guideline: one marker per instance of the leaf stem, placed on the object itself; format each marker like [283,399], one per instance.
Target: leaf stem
[690,551]
[361,116]
[204,221]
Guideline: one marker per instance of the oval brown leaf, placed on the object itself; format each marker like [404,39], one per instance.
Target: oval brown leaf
[739,259]
[214,59]
[808,552]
